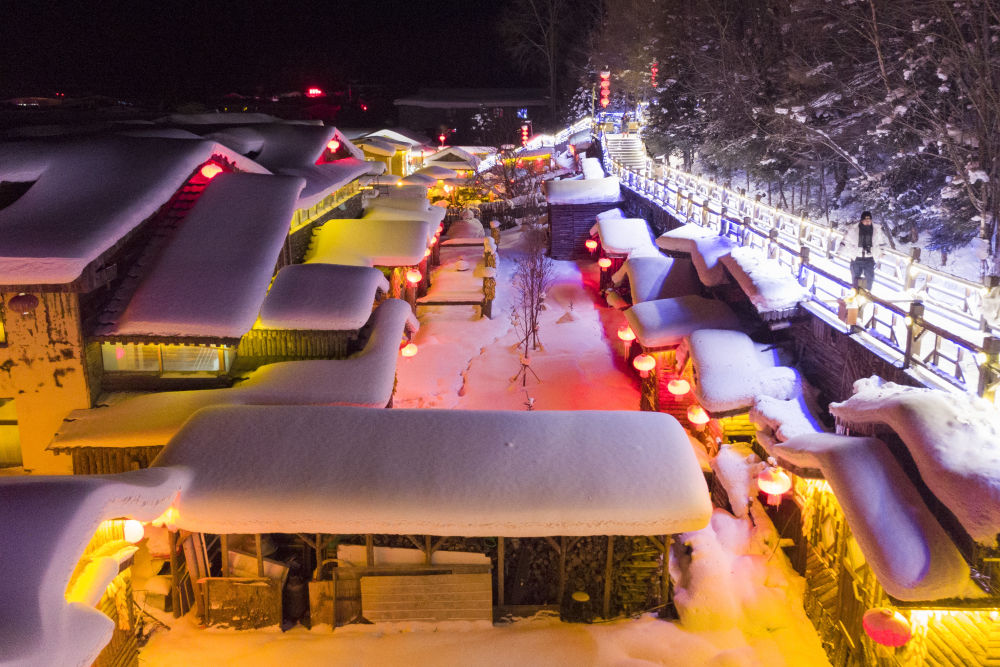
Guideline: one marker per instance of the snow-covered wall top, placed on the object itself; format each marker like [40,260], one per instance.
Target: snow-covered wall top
[326,297]
[437,472]
[593,191]
[45,525]
[87,195]
[212,277]
[592,168]
[767,283]
[954,439]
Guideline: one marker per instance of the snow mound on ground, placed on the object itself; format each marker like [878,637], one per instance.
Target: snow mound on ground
[768,284]
[909,552]
[736,467]
[953,438]
[780,420]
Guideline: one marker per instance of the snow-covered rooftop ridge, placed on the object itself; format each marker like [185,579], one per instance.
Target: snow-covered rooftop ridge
[592,168]
[954,438]
[768,284]
[438,172]
[657,277]
[453,157]
[88,193]
[45,525]
[910,554]
[593,191]
[370,242]
[437,472]
[150,420]
[401,134]
[665,322]
[211,278]
[705,249]
[779,419]
[323,297]
[622,236]
[379,146]
[325,179]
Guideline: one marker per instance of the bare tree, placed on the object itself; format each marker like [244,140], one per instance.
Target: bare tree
[532,278]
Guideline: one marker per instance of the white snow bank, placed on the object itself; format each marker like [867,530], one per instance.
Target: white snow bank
[591,168]
[665,322]
[705,251]
[736,467]
[594,191]
[215,271]
[779,420]
[731,371]
[45,525]
[437,472]
[768,284]
[87,194]
[149,420]
[325,179]
[466,229]
[326,297]
[405,208]
[370,241]
[622,236]
[657,277]
[953,438]
[909,552]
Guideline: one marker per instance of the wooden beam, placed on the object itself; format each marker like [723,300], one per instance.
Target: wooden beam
[370,550]
[428,549]
[561,591]
[500,570]
[224,546]
[260,555]
[665,588]
[415,542]
[608,567]
[175,579]
[439,543]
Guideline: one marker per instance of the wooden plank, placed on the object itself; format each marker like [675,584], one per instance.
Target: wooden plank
[440,597]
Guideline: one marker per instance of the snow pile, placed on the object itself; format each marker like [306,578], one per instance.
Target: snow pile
[594,191]
[215,271]
[604,216]
[909,552]
[768,284]
[278,145]
[953,438]
[591,168]
[466,229]
[736,467]
[736,587]
[657,277]
[731,371]
[665,322]
[437,172]
[45,525]
[437,472]
[705,251]
[326,297]
[621,236]
[778,420]
[370,242]
[150,420]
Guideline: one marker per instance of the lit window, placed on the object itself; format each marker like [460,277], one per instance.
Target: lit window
[10,437]
[166,359]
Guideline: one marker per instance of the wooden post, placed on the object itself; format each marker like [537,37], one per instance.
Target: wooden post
[319,557]
[608,566]
[260,555]
[562,570]
[665,590]
[500,571]
[224,545]
[914,321]
[428,551]
[369,550]
[175,579]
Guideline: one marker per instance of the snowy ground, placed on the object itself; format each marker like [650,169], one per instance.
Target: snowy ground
[739,601]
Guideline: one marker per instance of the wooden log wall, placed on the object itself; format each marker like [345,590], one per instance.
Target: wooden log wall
[570,226]
[266,346]
[108,460]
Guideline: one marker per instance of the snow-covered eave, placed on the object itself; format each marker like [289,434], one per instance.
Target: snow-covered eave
[324,179]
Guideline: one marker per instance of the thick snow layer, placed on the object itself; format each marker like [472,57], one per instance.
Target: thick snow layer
[736,467]
[731,371]
[325,179]
[909,552]
[592,168]
[953,438]
[466,229]
[671,240]
[705,251]
[324,297]
[395,208]
[437,172]
[785,419]
[419,179]
[45,525]
[657,277]
[665,322]
[437,472]
[87,194]
[594,191]
[603,216]
[401,135]
[453,157]
[212,277]
[149,420]
[377,146]
[370,242]
[622,236]
[280,145]
[768,284]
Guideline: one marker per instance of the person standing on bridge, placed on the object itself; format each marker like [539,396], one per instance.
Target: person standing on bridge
[863,247]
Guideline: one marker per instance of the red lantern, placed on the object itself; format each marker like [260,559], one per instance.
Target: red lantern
[591,244]
[887,627]
[644,363]
[333,146]
[678,387]
[441,138]
[605,88]
[775,482]
[210,170]
[697,415]
[413,276]
[604,263]
[653,72]
[409,350]
[626,335]
[314,92]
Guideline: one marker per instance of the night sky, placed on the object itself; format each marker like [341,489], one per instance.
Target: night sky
[176,49]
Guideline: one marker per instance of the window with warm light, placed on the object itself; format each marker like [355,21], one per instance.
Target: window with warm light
[167,360]
[10,436]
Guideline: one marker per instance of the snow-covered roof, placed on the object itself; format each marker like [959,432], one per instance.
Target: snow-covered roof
[324,179]
[768,284]
[592,168]
[45,525]
[150,420]
[401,135]
[665,322]
[453,157]
[437,172]
[657,277]
[779,420]
[622,236]
[210,279]
[380,146]
[593,191]
[910,554]
[325,297]
[419,179]
[731,371]
[391,205]
[437,472]
[370,242]
[706,251]
[954,438]
[282,145]
[88,193]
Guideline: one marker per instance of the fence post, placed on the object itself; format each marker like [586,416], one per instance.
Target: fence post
[987,364]
[913,321]
[803,262]
[911,275]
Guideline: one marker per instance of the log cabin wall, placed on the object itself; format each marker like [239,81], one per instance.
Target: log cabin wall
[570,226]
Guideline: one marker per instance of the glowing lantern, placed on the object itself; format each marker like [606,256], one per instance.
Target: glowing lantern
[399,184]
[524,135]
[653,72]
[774,482]
[697,415]
[447,188]
[590,244]
[605,88]
[644,363]
[210,170]
[678,387]
[314,92]
[168,519]
[413,276]
[626,335]
[441,138]
[23,303]
[119,352]
[409,350]
[427,252]
[604,263]
[133,531]
[333,146]
[886,627]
